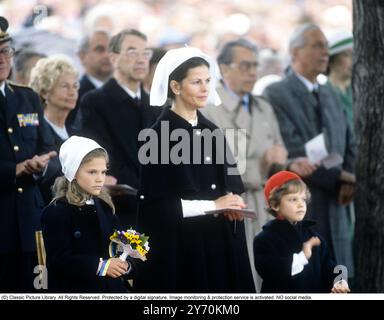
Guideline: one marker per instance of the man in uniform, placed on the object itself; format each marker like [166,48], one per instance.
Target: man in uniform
[25,151]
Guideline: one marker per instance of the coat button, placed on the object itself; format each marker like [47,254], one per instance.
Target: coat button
[213,186]
[77,234]
[20,190]
[10,130]
[208,159]
[198,132]
[141,197]
[16,148]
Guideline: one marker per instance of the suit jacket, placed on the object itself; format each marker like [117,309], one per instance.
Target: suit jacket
[24,133]
[85,86]
[75,238]
[294,106]
[114,120]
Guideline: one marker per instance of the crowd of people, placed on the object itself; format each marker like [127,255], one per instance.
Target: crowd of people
[155,120]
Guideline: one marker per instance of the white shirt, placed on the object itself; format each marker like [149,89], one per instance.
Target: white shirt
[2,88]
[308,84]
[131,93]
[96,82]
[61,132]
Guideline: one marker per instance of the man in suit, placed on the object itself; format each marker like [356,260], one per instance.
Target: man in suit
[94,56]
[239,109]
[304,109]
[114,114]
[25,152]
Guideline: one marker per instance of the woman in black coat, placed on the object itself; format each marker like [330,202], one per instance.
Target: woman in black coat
[78,223]
[191,251]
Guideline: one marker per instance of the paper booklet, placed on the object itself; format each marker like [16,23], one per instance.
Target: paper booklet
[245,212]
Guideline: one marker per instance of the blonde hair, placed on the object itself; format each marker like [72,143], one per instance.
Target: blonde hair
[63,188]
[47,71]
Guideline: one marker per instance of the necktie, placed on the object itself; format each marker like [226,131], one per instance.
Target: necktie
[317,108]
[244,105]
[137,100]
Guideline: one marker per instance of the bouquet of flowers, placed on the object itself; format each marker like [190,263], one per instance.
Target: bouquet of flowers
[131,243]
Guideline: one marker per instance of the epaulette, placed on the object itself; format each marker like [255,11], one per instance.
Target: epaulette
[13,84]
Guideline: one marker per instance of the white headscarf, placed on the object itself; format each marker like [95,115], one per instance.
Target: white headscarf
[73,151]
[171,60]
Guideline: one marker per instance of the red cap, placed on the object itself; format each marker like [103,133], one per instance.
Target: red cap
[277,180]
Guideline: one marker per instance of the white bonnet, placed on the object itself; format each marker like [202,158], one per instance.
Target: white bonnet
[73,151]
[170,61]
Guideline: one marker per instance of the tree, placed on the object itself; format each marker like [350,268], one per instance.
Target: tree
[368,94]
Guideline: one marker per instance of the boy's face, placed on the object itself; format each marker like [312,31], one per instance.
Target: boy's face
[293,206]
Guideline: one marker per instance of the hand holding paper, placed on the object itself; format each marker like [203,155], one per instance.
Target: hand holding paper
[317,153]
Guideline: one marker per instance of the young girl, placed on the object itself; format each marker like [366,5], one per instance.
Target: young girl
[78,222]
[289,256]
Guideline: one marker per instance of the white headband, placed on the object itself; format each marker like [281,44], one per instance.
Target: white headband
[171,60]
[73,151]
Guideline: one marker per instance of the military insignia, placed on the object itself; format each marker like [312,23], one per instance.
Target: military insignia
[28,119]
[4,36]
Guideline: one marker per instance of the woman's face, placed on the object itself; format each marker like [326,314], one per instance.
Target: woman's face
[91,175]
[64,92]
[194,88]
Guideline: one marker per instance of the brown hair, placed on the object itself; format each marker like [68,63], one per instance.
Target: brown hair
[74,194]
[292,186]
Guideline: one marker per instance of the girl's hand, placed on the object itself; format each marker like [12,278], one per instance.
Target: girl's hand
[117,268]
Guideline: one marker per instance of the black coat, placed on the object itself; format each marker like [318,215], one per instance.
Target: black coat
[75,239]
[196,254]
[20,199]
[113,119]
[273,250]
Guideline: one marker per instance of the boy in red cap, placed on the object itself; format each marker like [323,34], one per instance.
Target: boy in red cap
[289,256]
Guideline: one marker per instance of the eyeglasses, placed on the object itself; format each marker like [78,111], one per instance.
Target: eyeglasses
[245,65]
[135,53]
[7,52]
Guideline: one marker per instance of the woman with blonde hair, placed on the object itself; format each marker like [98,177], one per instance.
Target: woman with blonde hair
[78,222]
[55,80]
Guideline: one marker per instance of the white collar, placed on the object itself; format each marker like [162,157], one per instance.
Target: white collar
[2,88]
[131,93]
[308,84]
[96,82]
[193,122]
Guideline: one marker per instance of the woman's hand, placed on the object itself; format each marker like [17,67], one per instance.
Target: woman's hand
[231,201]
[117,268]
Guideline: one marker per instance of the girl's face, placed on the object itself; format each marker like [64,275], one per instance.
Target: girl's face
[194,89]
[293,206]
[91,175]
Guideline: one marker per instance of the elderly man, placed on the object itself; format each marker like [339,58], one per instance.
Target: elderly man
[305,109]
[25,151]
[114,114]
[242,110]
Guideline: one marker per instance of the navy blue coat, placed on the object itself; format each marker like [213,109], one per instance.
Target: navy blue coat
[75,239]
[274,248]
[20,199]
[199,254]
